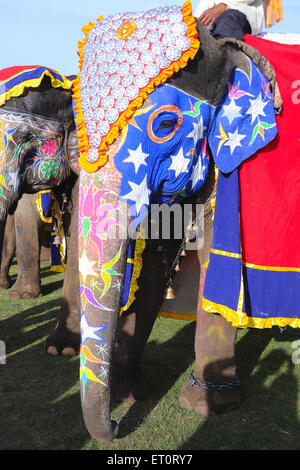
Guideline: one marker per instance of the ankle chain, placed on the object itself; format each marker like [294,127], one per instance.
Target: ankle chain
[210,386]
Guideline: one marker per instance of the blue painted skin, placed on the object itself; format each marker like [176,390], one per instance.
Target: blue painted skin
[171,154]
[163,157]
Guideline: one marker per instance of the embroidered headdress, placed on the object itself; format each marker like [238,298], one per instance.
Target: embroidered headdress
[122,59]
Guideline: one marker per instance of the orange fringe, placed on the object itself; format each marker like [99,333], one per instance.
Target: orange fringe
[274,12]
[135,104]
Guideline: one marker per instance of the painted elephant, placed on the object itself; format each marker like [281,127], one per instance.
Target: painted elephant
[39,151]
[158,103]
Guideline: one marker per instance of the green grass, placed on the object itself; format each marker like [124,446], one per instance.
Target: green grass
[40,403]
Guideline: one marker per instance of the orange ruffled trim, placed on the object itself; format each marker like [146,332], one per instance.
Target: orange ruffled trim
[193,35]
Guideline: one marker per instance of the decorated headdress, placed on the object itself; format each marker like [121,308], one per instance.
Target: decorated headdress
[14,80]
[122,59]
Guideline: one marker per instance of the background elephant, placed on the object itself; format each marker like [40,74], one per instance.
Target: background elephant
[39,151]
[160,155]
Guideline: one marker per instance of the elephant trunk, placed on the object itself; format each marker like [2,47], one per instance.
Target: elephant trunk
[103,246]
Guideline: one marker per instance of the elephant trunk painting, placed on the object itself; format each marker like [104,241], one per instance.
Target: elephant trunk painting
[102,263]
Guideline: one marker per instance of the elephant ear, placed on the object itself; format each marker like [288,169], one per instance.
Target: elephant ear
[244,121]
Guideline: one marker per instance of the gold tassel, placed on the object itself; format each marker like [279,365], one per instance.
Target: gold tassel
[274,12]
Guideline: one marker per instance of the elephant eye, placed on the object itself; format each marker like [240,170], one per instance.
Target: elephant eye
[167,124]
[163,123]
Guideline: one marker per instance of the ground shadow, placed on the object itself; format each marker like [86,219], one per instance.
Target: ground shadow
[268,416]
[39,393]
[163,364]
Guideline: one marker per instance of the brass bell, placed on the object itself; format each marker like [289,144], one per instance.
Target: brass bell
[170,293]
[183,253]
[177,267]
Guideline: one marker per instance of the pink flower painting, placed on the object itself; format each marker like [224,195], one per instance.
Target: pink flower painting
[49,147]
[95,217]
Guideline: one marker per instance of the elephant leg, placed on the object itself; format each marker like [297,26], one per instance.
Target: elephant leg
[8,252]
[27,225]
[65,338]
[215,354]
[134,328]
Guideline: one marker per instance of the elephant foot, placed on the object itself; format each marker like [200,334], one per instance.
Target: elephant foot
[63,342]
[208,399]
[27,292]
[128,388]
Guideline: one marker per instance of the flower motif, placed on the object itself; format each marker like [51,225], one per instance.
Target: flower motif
[126,29]
[49,147]
[95,217]
[49,169]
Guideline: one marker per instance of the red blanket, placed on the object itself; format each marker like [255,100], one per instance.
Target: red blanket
[270,184]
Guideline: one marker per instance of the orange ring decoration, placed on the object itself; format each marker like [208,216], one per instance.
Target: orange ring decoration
[153,116]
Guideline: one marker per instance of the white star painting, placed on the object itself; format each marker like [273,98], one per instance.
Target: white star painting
[180,163]
[137,157]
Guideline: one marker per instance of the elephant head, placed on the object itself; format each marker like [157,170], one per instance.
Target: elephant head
[155,93]
[38,141]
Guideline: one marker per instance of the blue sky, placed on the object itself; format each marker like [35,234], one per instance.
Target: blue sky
[46,33]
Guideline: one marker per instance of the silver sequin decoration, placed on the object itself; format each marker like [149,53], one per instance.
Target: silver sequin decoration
[98,114]
[137,68]
[141,81]
[173,53]
[179,29]
[111,115]
[118,91]
[113,80]
[122,104]
[132,92]
[127,80]
[92,155]
[183,43]
[115,70]
[95,102]
[133,57]
[151,70]
[147,57]
[104,90]
[103,127]
[107,102]
[123,69]
[169,39]
[95,139]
